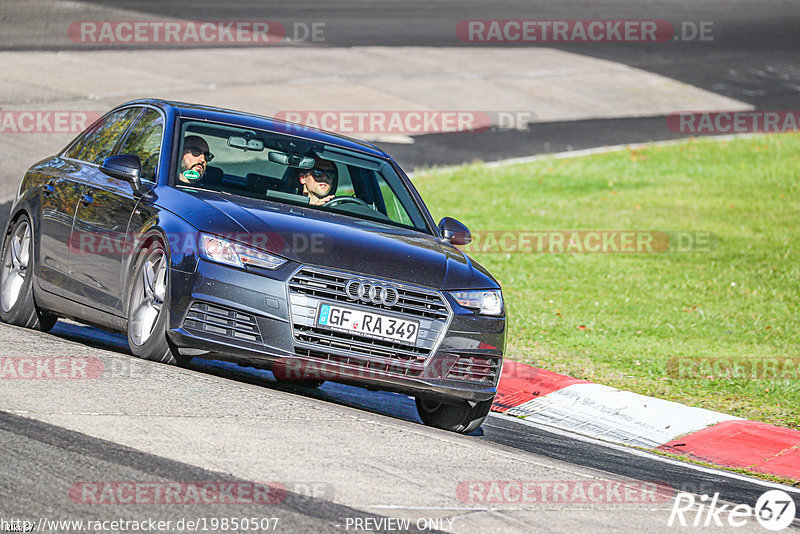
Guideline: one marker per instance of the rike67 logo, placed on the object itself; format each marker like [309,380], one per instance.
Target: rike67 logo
[774,510]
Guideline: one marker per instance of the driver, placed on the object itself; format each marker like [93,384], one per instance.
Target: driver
[318,181]
[195,159]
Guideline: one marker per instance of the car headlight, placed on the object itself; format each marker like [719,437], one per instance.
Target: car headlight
[230,253]
[486,301]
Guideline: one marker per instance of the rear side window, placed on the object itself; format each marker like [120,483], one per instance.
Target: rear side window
[98,142]
[145,141]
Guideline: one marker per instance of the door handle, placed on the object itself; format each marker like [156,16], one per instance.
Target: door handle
[48,188]
[87,198]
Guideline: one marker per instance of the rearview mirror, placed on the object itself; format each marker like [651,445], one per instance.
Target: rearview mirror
[454,231]
[126,167]
[246,143]
[304,162]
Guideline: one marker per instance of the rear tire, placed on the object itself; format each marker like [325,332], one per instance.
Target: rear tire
[17,305]
[463,417]
[148,307]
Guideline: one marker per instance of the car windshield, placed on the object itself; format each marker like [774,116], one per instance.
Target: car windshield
[280,168]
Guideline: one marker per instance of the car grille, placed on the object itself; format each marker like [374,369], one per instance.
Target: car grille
[310,286]
[474,368]
[364,367]
[222,321]
[363,345]
[331,286]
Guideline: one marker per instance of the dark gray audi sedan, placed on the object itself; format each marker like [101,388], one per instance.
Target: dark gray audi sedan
[209,233]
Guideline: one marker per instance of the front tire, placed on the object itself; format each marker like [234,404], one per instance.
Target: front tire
[148,308]
[463,417]
[17,305]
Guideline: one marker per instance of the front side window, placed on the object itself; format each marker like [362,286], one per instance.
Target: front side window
[279,168]
[97,143]
[145,141]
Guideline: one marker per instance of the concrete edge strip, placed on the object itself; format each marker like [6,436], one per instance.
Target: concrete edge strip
[559,401]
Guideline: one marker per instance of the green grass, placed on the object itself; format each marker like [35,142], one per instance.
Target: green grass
[617,319]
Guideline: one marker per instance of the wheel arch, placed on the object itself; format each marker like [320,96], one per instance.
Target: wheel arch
[16,212]
[151,236]
[24,310]
[173,232]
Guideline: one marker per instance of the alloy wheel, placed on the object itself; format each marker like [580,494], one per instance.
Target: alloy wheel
[15,265]
[149,294]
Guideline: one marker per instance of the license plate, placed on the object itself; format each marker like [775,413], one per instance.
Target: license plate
[368,324]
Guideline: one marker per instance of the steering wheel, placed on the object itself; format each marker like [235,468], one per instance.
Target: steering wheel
[335,201]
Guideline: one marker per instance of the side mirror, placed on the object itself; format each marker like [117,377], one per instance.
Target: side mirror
[454,231]
[126,167]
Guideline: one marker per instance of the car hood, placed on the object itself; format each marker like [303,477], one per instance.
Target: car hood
[331,240]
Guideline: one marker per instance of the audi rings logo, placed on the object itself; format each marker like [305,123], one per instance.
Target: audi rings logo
[371,292]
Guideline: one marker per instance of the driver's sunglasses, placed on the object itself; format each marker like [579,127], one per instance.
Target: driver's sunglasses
[196,153]
[319,173]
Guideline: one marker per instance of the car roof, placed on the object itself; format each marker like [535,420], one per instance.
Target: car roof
[250,120]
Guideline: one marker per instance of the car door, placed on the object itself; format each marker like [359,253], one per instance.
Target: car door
[62,185]
[103,215]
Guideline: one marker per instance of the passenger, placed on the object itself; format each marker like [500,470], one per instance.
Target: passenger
[319,182]
[195,159]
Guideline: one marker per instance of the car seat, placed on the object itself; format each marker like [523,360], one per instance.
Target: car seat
[259,184]
[212,178]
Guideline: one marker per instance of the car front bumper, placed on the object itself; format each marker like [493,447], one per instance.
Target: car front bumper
[267,320]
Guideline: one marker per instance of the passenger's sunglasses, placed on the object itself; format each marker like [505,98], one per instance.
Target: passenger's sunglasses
[196,153]
[319,173]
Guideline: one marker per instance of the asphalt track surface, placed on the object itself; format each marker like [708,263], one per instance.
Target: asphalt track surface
[42,460]
[753,57]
